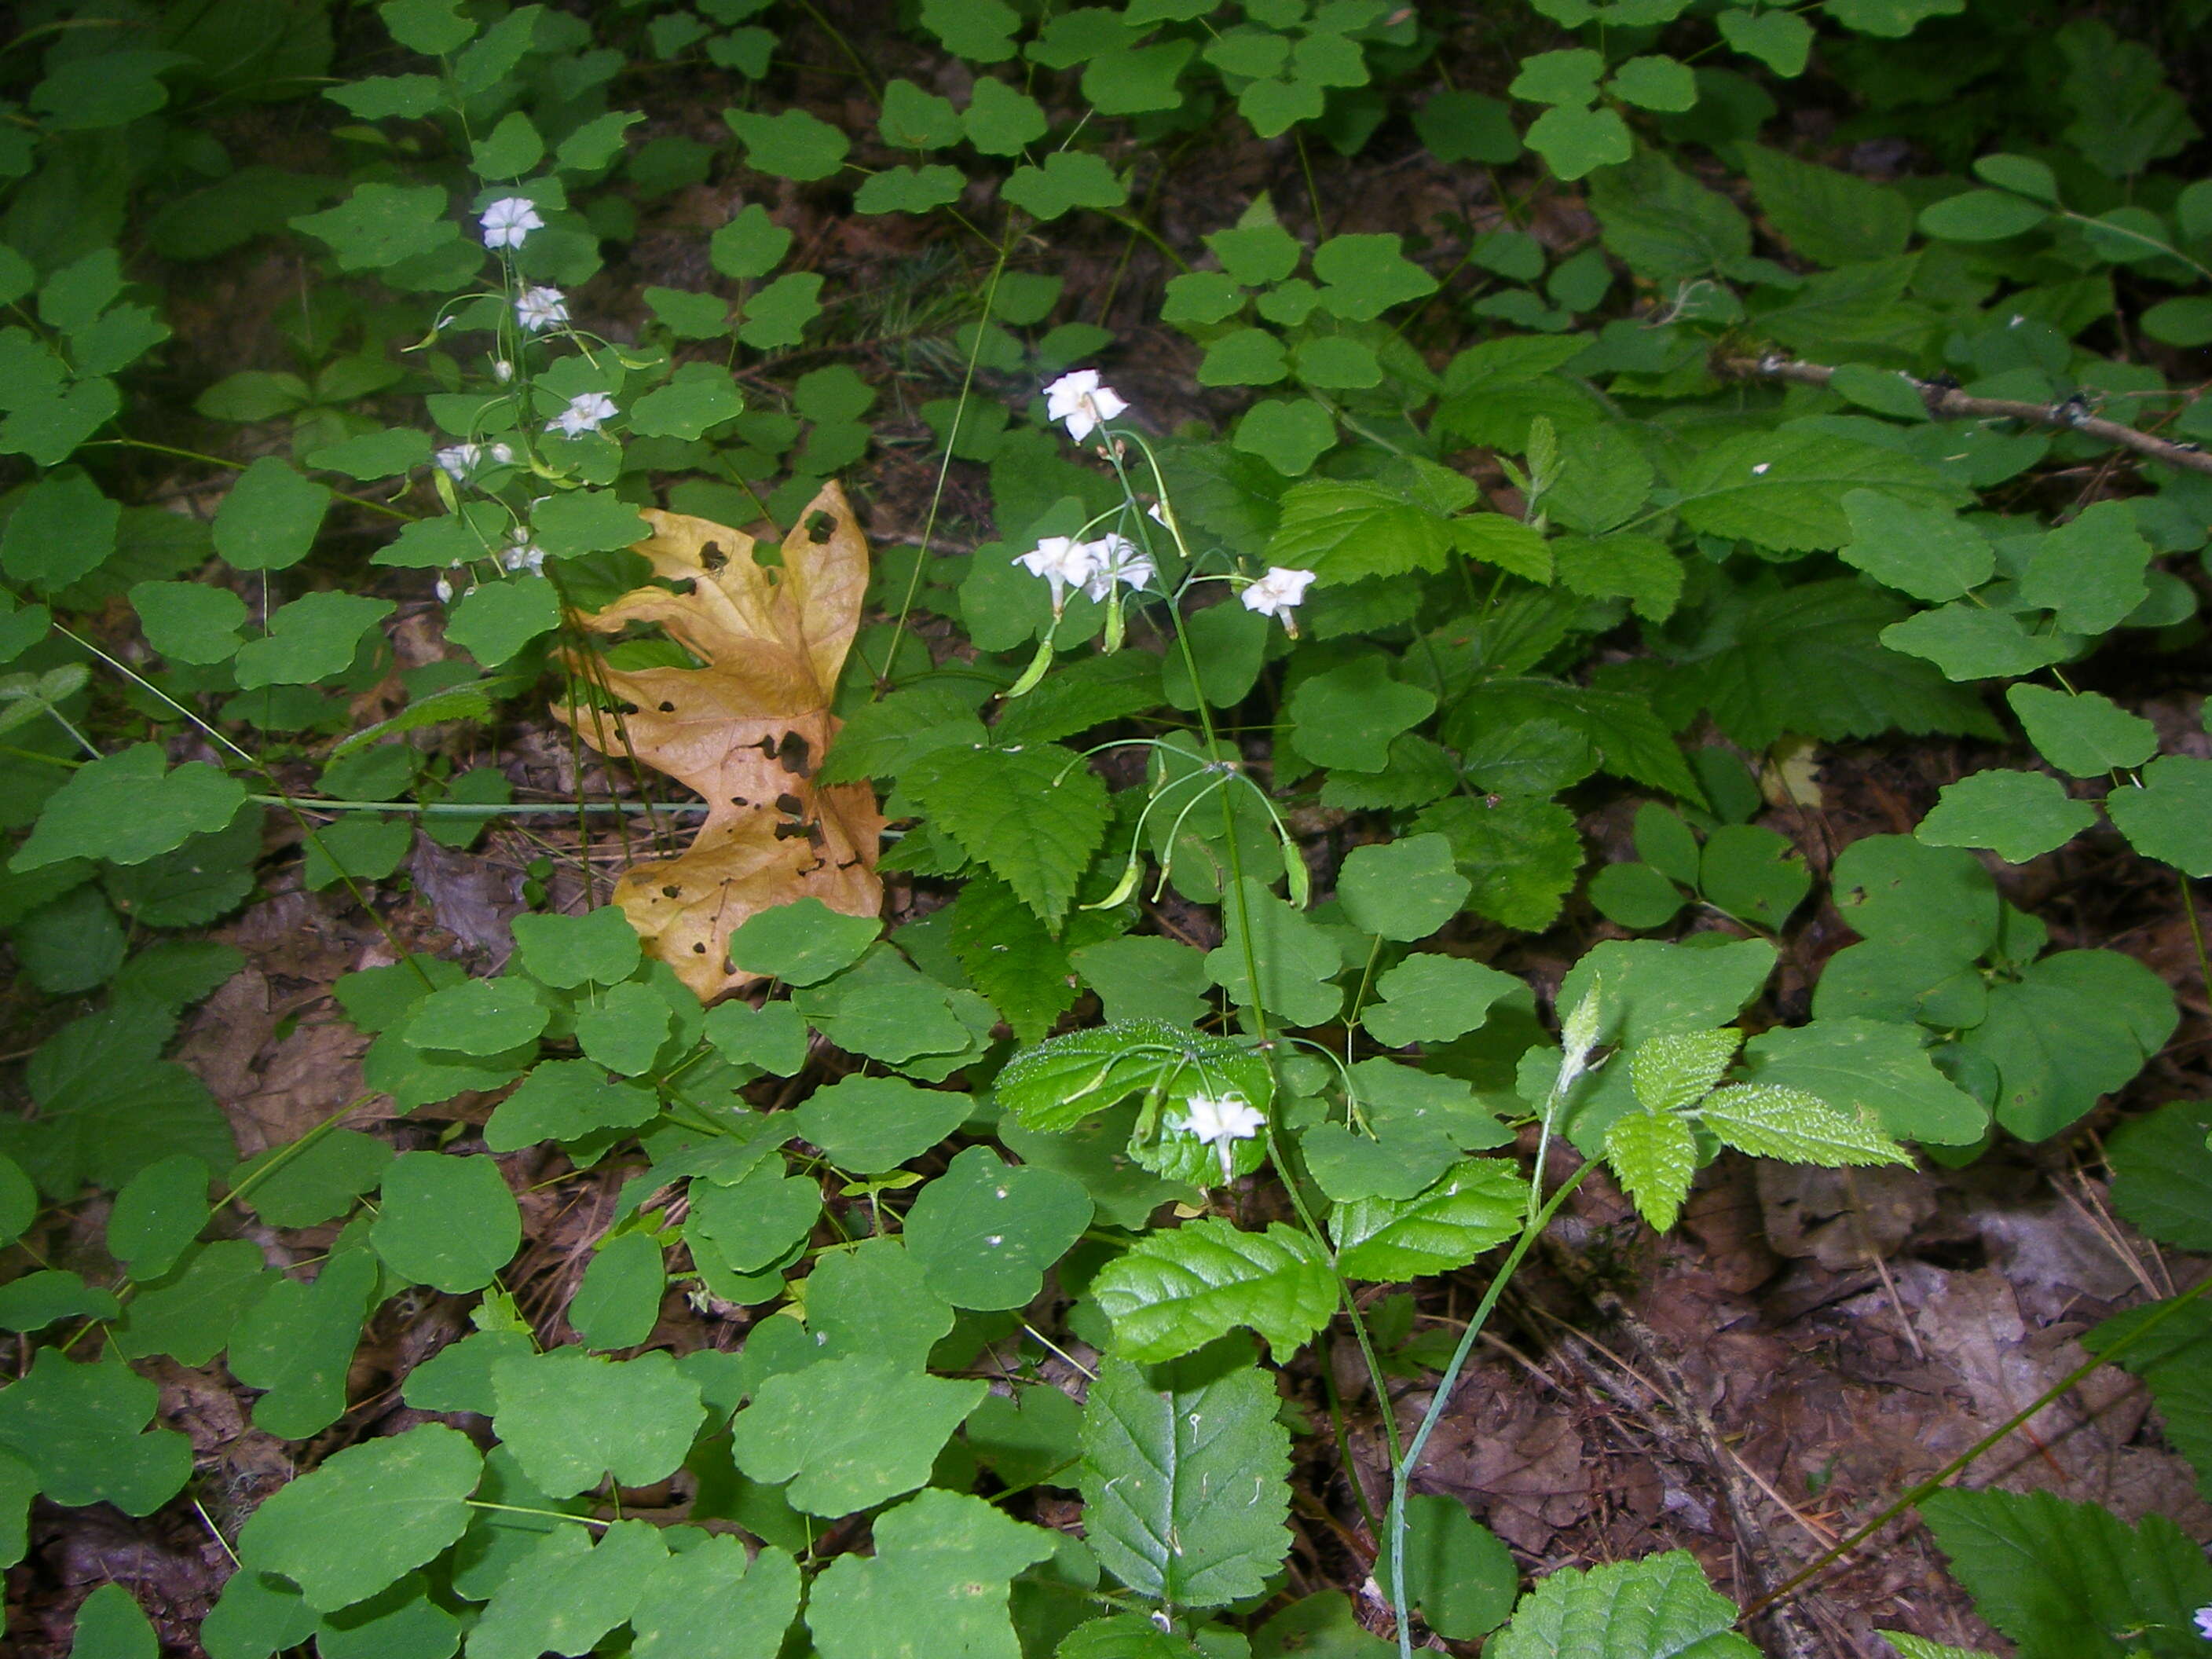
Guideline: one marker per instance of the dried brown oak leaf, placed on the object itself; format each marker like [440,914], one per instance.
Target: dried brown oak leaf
[747,731]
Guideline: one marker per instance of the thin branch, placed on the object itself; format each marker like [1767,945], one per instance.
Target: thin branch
[1947,402]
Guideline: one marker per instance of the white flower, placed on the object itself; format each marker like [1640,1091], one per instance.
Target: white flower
[444,590]
[584,414]
[1117,559]
[458,462]
[2204,1623]
[1080,401]
[521,553]
[1219,1120]
[501,370]
[1063,562]
[500,455]
[541,309]
[1274,593]
[508,220]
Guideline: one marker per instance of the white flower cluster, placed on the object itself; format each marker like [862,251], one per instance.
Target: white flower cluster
[1092,567]
[1219,1121]
[521,553]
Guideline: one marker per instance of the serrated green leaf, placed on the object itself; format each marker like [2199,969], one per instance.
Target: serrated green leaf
[1654,1155]
[1034,816]
[1519,855]
[1675,1070]
[1011,958]
[1875,1068]
[1784,489]
[1475,1204]
[1769,1120]
[1185,1477]
[849,1433]
[1175,1292]
[2063,1578]
[2162,1174]
[1659,1607]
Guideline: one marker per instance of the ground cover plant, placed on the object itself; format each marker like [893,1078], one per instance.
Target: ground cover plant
[1161,828]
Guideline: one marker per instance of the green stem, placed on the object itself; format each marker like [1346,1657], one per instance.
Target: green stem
[385,508]
[459,808]
[1401,1475]
[549,1515]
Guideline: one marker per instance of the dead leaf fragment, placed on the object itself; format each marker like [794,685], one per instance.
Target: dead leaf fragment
[747,731]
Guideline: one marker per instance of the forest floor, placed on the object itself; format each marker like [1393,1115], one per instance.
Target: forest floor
[1806,1346]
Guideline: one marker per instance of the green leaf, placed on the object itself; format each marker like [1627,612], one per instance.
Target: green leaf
[2162,1174]
[1069,179]
[1754,874]
[1058,1083]
[39,1299]
[802,942]
[1567,76]
[569,1591]
[886,1010]
[1876,1068]
[937,1583]
[159,1211]
[297,1344]
[1343,531]
[625,1028]
[984,1232]
[709,1602]
[1769,1120]
[82,1428]
[1657,83]
[1034,816]
[1467,126]
[914,119]
[2084,733]
[1915,548]
[2019,815]
[909,190]
[1245,356]
[1833,218]
[571,1419]
[1981,216]
[1659,1607]
[1458,1572]
[1364,276]
[189,1313]
[619,1302]
[1894,889]
[494,621]
[446,1220]
[1654,1155]
[1675,1070]
[1297,961]
[1627,738]
[998,120]
[62,528]
[1346,717]
[1404,1157]
[190,622]
[756,1222]
[1144,978]
[1011,958]
[2090,570]
[2166,818]
[1811,660]
[790,144]
[586,521]
[1662,224]
[19,1201]
[1635,895]
[1433,999]
[872,1300]
[110,1624]
[849,1433]
[127,808]
[366,1515]
[772,1037]
[477,1017]
[777,315]
[1473,1206]
[379,225]
[2072,1027]
[1136,79]
[1177,1291]
[1402,890]
[700,396]
[981,30]
[1780,39]
[1185,1477]
[312,638]
[1785,490]
[1290,435]
[566,952]
[2070,1579]
[1519,854]
[1577,142]
[871,1124]
[750,246]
